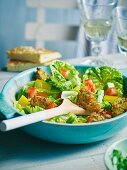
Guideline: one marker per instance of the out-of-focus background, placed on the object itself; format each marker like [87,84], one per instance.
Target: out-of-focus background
[52,24]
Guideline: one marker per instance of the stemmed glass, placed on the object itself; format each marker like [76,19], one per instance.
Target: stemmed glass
[120,14]
[96,17]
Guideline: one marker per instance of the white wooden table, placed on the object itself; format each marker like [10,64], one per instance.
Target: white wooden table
[20,151]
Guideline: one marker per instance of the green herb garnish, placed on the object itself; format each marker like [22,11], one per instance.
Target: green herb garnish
[118,160]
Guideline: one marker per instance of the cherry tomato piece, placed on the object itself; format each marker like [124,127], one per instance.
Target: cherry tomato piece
[64,72]
[90,85]
[111,91]
[32,91]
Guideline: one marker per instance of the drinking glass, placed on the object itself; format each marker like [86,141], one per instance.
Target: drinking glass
[121,28]
[97,18]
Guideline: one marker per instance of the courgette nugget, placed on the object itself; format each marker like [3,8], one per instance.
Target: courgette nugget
[42,102]
[87,101]
[119,106]
[95,117]
[41,74]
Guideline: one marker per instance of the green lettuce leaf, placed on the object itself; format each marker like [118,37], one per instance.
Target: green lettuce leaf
[94,74]
[102,75]
[69,118]
[19,107]
[30,109]
[22,91]
[60,82]
[109,73]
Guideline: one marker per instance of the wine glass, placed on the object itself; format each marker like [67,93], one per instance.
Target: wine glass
[121,28]
[97,18]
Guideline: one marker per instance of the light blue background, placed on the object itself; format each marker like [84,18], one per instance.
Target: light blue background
[13,16]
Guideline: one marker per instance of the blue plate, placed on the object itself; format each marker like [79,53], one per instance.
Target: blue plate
[58,132]
[120,145]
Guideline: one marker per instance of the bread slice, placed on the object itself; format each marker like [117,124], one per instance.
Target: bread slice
[17,66]
[36,55]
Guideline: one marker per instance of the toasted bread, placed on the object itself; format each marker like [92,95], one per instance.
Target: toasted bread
[17,66]
[36,55]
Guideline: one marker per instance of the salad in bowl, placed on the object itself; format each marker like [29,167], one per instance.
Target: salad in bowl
[99,91]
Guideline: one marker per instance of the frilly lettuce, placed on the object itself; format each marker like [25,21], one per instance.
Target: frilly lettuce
[23,90]
[69,118]
[30,109]
[102,75]
[62,83]
[27,109]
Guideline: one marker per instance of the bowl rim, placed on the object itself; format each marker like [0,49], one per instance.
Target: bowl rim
[110,148]
[3,91]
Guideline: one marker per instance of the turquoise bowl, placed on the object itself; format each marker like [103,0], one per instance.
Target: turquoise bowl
[58,132]
[120,145]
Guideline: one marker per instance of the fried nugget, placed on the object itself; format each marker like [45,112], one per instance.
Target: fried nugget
[87,101]
[119,106]
[43,102]
[41,74]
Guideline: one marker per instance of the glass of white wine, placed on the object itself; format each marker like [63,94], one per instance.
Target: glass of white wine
[97,19]
[121,28]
